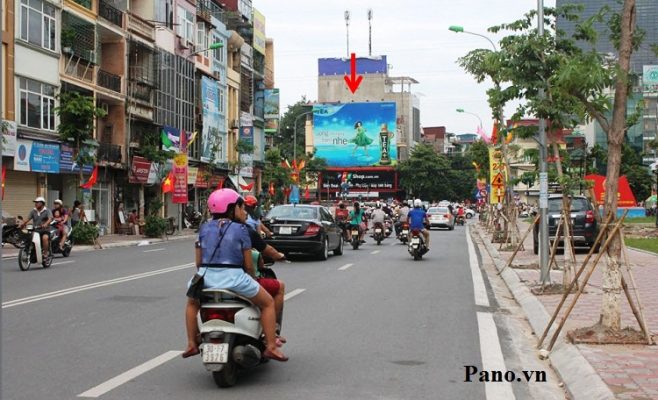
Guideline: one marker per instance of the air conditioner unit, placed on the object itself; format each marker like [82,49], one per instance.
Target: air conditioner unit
[183,43]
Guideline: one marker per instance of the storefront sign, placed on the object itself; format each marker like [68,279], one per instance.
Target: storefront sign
[9,138]
[139,170]
[247,165]
[247,134]
[36,157]
[180,179]
[201,180]
[192,173]
[360,180]
[259,32]
[66,163]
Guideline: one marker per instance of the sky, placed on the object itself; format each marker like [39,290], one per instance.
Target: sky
[412,33]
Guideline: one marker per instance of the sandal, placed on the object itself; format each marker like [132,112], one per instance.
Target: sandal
[282,339]
[190,353]
[274,356]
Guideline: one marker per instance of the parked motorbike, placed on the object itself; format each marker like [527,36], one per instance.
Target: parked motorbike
[231,335]
[192,218]
[416,245]
[404,233]
[356,237]
[12,234]
[378,233]
[171,226]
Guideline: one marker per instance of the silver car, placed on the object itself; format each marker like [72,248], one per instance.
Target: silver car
[441,217]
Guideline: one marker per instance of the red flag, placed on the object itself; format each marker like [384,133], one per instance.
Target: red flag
[92,179]
[4,174]
[247,188]
[307,193]
[494,134]
[168,183]
[286,192]
[220,185]
[301,165]
[285,164]
[294,164]
[271,189]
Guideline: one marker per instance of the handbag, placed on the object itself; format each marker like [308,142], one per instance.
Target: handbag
[195,291]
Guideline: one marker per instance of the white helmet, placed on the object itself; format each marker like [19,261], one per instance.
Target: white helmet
[378,205]
[418,203]
[58,201]
[40,199]
[410,203]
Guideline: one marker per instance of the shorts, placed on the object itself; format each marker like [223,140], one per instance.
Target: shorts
[272,286]
[233,279]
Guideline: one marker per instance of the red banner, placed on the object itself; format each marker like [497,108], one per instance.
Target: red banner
[625,197]
[180,179]
[139,171]
[201,178]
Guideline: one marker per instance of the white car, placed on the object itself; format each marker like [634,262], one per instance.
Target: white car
[441,217]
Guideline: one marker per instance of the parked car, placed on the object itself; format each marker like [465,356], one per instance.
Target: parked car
[583,222]
[441,217]
[469,212]
[307,229]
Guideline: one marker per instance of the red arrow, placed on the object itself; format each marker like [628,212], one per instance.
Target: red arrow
[353,81]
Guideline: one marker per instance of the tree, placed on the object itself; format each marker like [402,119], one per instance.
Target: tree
[427,175]
[242,147]
[77,114]
[285,140]
[478,152]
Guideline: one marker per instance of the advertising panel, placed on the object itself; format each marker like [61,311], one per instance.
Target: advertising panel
[139,170]
[625,197]
[247,134]
[355,134]
[180,179]
[650,78]
[271,125]
[9,136]
[66,163]
[497,173]
[272,101]
[259,32]
[211,137]
[384,180]
[37,157]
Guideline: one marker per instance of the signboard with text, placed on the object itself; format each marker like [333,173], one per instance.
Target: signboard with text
[360,180]
[180,179]
[497,176]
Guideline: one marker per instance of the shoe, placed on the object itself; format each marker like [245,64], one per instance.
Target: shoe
[363,242]
[272,356]
[190,353]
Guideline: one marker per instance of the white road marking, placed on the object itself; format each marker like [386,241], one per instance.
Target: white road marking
[344,267]
[63,262]
[292,294]
[479,290]
[150,251]
[492,357]
[129,375]
[374,252]
[64,292]
[392,244]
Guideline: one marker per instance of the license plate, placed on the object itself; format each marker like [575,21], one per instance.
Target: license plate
[285,230]
[215,353]
[355,232]
[415,241]
[405,232]
[378,230]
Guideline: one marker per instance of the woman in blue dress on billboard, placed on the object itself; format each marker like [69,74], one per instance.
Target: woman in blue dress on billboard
[360,140]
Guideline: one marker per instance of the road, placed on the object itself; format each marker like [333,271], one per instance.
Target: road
[371,324]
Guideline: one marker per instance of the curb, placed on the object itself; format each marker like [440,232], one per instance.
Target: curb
[579,377]
[129,243]
[651,253]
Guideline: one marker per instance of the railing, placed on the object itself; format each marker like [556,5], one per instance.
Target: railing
[143,74]
[109,81]
[109,152]
[84,3]
[110,13]
[141,91]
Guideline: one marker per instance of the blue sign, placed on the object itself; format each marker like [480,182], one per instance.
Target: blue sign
[66,163]
[294,194]
[44,157]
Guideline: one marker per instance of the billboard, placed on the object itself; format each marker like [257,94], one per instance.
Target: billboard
[650,78]
[271,103]
[361,180]
[211,137]
[36,157]
[259,32]
[355,134]
[9,138]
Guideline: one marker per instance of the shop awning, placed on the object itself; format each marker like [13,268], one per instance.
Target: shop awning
[235,182]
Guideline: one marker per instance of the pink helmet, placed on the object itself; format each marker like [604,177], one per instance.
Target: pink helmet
[221,199]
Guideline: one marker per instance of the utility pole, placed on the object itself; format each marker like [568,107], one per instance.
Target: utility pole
[347,28]
[370,32]
[543,175]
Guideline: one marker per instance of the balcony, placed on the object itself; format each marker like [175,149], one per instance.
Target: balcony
[108,81]
[109,13]
[109,152]
[142,74]
[142,28]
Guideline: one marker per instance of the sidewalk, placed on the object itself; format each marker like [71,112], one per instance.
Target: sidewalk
[629,371]
[112,241]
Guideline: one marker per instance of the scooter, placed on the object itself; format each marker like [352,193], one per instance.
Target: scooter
[231,334]
[460,220]
[12,234]
[379,233]
[192,218]
[416,245]
[388,227]
[404,233]
[356,237]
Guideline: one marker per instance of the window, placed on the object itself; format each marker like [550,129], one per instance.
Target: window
[201,37]
[38,23]
[221,100]
[218,54]
[185,27]
[37,104]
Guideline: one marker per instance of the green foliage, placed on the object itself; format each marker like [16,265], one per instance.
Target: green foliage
[478,152]
[84,233]
[155,205]
[151,147]
[155,226]
[285,140]
[244,147]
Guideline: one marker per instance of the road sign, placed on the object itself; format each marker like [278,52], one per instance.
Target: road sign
[498,180]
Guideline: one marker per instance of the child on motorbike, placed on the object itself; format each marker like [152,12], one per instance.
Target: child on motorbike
[222,251]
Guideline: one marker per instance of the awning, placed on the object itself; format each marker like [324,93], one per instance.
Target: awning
[235,182]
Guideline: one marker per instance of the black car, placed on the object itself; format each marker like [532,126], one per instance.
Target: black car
[304,229]
[583,222]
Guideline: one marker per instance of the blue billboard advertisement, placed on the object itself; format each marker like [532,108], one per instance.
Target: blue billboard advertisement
[355,134]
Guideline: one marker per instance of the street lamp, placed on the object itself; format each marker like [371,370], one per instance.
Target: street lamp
[461,110]
[213,46]
[294,140]
[460,29]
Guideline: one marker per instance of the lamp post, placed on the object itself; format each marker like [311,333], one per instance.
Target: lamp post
[460,29]
[461,110]
[213,46]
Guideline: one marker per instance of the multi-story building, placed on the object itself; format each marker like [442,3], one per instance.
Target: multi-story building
[435,136]
[642,60]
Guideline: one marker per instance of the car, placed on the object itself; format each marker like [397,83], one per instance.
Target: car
[469,212]
[309,229]
[440,217]
[444,203]
[583,222]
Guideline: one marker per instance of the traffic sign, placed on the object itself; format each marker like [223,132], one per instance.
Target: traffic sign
[498,180]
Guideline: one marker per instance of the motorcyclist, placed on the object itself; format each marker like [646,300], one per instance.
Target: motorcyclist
[61,215]
[460,213]
[342,218]
[41,218]
[231,268]
[378,216]
[417,219]
[404,212]
[251,205]
[357,217]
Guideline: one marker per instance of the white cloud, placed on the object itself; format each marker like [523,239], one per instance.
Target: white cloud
[413,34]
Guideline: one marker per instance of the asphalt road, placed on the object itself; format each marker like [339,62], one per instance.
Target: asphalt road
[371,324]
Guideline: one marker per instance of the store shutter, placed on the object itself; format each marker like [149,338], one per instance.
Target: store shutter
[20,191]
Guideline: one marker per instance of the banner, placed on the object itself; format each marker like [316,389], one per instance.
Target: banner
[192,173]
[625,197]
[271,126]
[66,163]
[212,135]
[247,167]
[22,158]
[9,136]
[272,100]
[497,174]
[37,157]
[180,179]
[650,78]
[259,32]
[139,170]
[355,134]
[383,180]
[201,180]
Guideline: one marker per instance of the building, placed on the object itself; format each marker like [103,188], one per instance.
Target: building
[643,60]
[377,86]
[156,68]
[435,136]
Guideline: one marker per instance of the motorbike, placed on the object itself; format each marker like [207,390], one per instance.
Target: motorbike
[416,245]
[192,218]
[460,220]
[171,226]
[378,233]
[231,335]
[404,233]
[355,237]
[12,234]
[30,253]
[388,227]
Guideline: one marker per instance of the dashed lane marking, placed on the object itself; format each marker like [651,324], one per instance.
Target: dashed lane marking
[375,252]
[63,262]
[344,267]
[152,250]
[292,294]
[492,357]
